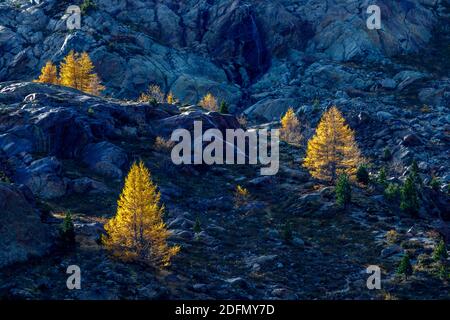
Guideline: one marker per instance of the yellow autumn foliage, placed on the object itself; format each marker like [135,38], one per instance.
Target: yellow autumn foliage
[75,71]
[209,102]
[138,231]
[144,98]
[332,150]
[153,94]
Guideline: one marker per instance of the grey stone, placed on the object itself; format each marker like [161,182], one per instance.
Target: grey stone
[384,115]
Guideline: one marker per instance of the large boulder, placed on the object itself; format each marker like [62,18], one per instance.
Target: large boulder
[191,47]
[319,204]
[22,233]
[43,177]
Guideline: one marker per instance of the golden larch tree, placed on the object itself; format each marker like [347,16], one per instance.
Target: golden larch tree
[68,71]
[332,150]
[85,72]
[290,127]
[95,85]
[49,74]
[138,231]
[209,102]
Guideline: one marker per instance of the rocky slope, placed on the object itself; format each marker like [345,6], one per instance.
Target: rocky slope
[66,151]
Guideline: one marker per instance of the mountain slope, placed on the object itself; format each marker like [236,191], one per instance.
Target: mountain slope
[240,252]
[245,52]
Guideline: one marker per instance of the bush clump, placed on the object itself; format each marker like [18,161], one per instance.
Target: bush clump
[209,102]
[241,196]
[392,192]
[381,179]
[163,145]
[392,236]
[387,154]
[153,95]
[224,107]
[4,177]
